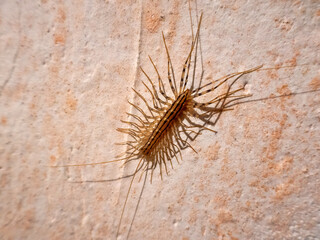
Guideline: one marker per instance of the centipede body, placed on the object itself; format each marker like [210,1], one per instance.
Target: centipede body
[159,134]
[156,138]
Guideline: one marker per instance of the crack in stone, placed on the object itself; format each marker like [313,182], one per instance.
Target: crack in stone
[15,55]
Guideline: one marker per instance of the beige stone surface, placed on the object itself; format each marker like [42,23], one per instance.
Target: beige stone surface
[66,70]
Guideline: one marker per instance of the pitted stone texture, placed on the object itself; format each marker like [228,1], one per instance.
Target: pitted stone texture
[66,70]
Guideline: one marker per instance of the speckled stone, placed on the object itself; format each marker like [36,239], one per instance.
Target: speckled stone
[66,70]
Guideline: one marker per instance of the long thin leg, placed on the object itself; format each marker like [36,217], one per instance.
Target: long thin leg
[156,105]
[109,180]
[221,81]
[216,99]
[141,111]
[134,136]
[185,131]
[153,87]
[179,141]
[87,164]
[195,55]
[162,89]
[129,131]
[188,60]
[163,160]
[151,110]
[171,152]
[138,203]
[125,203]
[137,118]
[168,156]
[170,67]
[134,124]
[238,98]
[200,45]
[178,151]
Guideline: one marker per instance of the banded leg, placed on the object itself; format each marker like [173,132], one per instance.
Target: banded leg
[134,124]
[162,89]
[145,101]
[154,88]
[156,104]
[170,67]
[195,56]
[137,118]
[141,111]
[221,81]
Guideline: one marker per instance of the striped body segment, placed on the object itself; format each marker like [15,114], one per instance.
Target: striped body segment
[170,115]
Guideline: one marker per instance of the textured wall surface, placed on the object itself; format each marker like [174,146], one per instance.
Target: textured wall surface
[66,70]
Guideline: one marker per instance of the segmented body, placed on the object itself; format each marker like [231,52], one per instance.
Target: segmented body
[174,112]
[159,135]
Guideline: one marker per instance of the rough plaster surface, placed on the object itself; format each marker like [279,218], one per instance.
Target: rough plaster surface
[66,70]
